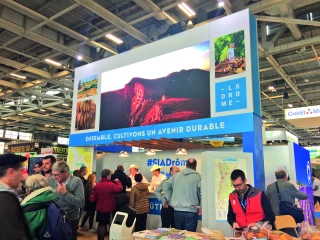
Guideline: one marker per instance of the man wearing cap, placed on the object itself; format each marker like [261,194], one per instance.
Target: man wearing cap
[167,212]
[12,221]
[157,177]
[134,169]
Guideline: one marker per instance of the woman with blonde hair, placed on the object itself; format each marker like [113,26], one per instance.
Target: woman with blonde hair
[38,191]
[89,207]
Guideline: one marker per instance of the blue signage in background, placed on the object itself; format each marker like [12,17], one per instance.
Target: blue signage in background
[155,207]
[231,95]
[303,165]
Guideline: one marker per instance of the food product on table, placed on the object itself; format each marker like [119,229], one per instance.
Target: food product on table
[315,235]
[255,233]
[278,235]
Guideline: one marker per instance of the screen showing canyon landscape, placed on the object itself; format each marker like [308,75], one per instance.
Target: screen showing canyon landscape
[169,88]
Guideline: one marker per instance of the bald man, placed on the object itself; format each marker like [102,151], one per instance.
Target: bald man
[167,212]
[183,192]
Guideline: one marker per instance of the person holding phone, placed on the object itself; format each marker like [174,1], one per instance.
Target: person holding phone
[69,192]
[247,205]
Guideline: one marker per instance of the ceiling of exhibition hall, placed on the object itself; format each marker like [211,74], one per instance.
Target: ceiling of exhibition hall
[43,41]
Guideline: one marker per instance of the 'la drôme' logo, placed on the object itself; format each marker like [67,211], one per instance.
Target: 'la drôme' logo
[309,174]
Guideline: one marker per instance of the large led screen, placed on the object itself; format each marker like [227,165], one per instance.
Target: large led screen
[169,88]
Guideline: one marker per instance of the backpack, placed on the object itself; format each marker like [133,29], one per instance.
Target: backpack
[58,226]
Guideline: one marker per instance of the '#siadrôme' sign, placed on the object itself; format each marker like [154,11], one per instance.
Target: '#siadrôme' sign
[303,112]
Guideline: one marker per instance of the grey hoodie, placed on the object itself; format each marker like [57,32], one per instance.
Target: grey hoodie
[183,190]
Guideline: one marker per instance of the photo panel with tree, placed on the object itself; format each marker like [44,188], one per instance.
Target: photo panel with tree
[230,54]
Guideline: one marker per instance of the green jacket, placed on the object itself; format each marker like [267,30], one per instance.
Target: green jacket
[37,220]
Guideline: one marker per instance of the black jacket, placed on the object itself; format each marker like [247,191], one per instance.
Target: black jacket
[12,222]
[123,178]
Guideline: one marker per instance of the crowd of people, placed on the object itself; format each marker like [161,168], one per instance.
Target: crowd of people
[54,192]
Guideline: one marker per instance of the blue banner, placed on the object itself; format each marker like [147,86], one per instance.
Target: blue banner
[195,128]
[155,207]
[231,95]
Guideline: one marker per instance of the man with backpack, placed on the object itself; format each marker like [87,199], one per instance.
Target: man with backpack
[12,221]
[69,191]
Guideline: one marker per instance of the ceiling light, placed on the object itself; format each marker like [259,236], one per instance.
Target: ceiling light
[123,154]
[20,114]
[53,62]
[4,118]
[290,105]
[113,38]
[104,47]
[9,91]
[42,110]
[18,76]
[221,4]
[65,104]
[271,88]
[168,16]
[181,151]
[79,58]
[190,24]
[186,9]
[51,126]
[264,121]
[150,152]
[306,80]
[46,125]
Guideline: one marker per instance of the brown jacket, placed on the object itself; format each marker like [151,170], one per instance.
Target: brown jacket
[139,198]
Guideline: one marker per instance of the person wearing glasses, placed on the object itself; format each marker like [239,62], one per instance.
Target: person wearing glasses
[69,192]
[247,205]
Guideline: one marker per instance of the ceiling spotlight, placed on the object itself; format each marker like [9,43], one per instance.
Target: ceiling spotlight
[42,110]
[79,57]
[271,88]
[264,121]
[290,105]
[150,152]
[221,4]
[46,125]
[65,104]
[181,150]
[124,153]
[306,80]
[20,114]
[190,24]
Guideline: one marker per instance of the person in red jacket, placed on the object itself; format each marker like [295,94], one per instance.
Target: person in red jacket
[247,205]
[104,194]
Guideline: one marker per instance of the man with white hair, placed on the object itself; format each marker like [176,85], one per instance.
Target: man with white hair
[69,190]
[134,169]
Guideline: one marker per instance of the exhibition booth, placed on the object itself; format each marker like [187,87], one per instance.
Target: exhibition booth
[201,83]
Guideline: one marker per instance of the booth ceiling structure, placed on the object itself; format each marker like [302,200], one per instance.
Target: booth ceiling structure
[36,94]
